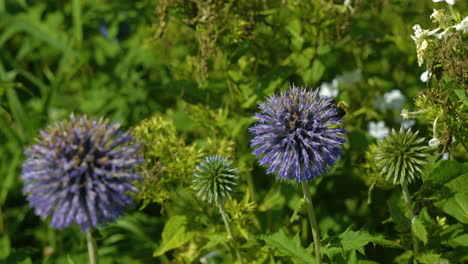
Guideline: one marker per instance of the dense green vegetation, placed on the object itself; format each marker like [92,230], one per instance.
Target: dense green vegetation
[186,77]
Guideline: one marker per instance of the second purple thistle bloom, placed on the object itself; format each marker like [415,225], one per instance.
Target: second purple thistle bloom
[79,172]
[297,135]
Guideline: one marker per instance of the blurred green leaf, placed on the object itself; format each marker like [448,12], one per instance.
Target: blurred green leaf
[290,247]
[456,206]
[174,234]
[5,246]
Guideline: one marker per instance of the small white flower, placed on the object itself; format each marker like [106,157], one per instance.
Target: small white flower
[440,17]
[425,76]
[405,114]
[329,89]
[405,124]
[462,26]
[434,143]
[394,99]
[378,129]
[450,2]
[419,38]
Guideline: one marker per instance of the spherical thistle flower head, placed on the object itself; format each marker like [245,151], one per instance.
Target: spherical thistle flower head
[214,179]
[79,172]
[296,134]
[401,155]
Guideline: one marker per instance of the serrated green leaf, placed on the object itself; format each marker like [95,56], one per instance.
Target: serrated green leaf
[419,230]
[458,185]
[456,206]
[174,234]
[454,198]
[351,240]
[430,258]
[290,247]
[460,241]
[215,240]
[445,171]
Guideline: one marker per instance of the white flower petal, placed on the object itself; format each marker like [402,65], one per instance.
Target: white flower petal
[434,143]
[394,99]
[425,76]
[329,89]
[462,26]
[378,129]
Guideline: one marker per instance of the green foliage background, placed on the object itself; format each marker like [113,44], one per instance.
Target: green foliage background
[195,71]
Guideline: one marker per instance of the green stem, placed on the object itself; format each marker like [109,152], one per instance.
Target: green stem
[92,248]
[313,222]
[407,199]
[229,230]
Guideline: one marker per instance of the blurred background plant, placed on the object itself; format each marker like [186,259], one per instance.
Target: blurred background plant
[186,77]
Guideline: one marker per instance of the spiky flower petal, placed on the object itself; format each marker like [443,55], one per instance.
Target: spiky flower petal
[214,179]
[296,134]
[79,171]
[401,156]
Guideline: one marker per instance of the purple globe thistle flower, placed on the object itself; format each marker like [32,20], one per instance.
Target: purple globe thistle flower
[296,134]
[79,172]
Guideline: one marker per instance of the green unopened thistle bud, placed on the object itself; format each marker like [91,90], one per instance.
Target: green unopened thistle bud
[214,179]
[401,155]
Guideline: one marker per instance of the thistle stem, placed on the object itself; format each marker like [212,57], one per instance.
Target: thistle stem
[313,222]
[229,230]
[92,248]
[407,199]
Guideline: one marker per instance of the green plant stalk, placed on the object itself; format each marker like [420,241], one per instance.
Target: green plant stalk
[407,199]
[92,248]
[229,230]
[313,222]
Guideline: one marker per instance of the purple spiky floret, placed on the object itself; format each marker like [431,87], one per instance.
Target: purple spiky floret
[79,172]
[297,134]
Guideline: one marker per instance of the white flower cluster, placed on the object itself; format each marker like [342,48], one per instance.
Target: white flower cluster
[425,39]
[420,38]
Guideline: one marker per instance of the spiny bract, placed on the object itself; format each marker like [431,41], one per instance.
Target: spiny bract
[214,179]
[401,155]
[297,135]
[79,171]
